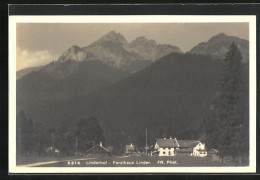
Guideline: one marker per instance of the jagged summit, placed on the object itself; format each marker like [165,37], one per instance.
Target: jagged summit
[219,37]
[144,40]
[141,38]
[150,50]
[73,53]
[75,47]
[111,37]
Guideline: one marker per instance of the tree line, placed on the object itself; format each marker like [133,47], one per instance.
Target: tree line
[33,138]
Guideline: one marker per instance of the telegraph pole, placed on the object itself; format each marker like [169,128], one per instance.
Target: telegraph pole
[146,141]
[76,146]
[20,144]
[52,140]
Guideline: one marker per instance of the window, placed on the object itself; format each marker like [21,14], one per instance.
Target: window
[163,152]
[169,152]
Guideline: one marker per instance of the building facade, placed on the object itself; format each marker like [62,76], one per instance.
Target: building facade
[98,150]
[130,149]
[174,147]
[165,147]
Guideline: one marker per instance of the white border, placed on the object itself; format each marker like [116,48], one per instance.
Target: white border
[130,19]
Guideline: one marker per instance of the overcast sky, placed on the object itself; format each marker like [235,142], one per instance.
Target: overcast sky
[40,43]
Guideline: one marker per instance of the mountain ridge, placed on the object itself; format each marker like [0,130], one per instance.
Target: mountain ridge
[217,47]
[113,49]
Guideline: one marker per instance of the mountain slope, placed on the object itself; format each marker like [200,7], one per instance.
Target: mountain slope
[170,95]
[43,86]
[218,46]
[25,71]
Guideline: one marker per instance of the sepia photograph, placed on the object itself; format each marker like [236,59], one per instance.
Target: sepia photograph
[132,94]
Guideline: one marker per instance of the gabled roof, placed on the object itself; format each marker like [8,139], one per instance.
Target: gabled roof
[213,151]
[188,143]
[98,146]
[164,143]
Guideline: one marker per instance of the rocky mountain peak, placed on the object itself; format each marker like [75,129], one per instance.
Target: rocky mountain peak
[74,48]
[73,53]
[142,40]
[219,37]
[149,49]
[113,36]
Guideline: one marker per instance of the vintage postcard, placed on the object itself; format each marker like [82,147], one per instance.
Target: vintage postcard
[132,94]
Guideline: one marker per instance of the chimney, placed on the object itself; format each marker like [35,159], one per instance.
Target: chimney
[100,144]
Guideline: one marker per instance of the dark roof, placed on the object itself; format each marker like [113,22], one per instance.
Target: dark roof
[188,143]
[104,148]
[201,150]
[213,151]
[98,146]
[184,150]
[167,143]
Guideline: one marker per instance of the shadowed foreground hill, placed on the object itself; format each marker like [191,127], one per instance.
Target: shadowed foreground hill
[23,72]
[168,97]
[42,87]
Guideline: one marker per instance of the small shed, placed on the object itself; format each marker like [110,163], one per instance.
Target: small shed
[98,150]
[213,153]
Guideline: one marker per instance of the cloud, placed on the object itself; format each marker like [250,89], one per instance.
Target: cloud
[25,58]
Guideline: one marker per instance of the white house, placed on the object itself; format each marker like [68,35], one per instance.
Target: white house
[191,148]
[199,150]
[173,147]
[165,147]
[130,149]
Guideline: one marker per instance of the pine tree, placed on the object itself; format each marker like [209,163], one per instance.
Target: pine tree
[24,134]
[224,125]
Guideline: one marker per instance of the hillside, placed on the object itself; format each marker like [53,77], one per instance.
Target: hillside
[168,97]
[79,78]
[25,71]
